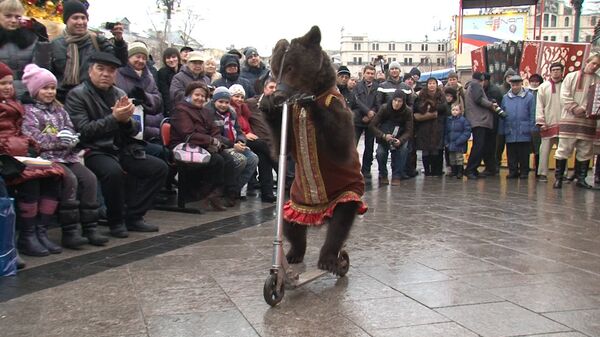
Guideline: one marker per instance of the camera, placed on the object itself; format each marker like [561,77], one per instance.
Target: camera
[498,110]
[109,25]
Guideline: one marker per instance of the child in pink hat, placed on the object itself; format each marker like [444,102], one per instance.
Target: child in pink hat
[49,124]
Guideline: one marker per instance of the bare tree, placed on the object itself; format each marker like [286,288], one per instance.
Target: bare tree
[189,23]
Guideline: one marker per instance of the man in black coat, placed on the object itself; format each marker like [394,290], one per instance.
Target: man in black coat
[102,114]
[366,95]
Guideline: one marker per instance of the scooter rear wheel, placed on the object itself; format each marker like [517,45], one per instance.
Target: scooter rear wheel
[344,262]
[271,294]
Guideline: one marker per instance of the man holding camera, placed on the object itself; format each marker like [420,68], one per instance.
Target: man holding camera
[480,114]
[71,51]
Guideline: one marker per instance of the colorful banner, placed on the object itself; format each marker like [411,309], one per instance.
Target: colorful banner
[481,30]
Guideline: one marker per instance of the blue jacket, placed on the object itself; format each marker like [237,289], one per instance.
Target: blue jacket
[519,122]
[458,132]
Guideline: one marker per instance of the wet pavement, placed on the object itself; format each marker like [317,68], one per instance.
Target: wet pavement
[432,257]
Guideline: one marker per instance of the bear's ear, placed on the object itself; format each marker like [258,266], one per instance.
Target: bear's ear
[313,37]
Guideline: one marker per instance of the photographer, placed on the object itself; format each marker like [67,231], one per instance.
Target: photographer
[480,114]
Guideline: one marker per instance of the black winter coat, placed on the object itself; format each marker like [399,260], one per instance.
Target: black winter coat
[366,99]
[92,117]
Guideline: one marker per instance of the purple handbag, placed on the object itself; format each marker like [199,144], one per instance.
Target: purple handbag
[187,153]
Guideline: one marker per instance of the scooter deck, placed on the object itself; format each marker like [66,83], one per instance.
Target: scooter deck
[306,277]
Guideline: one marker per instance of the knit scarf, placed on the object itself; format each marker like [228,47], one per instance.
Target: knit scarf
[72,67]
[228,125]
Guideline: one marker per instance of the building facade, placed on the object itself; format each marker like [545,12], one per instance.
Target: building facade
[557,23]
[356,51]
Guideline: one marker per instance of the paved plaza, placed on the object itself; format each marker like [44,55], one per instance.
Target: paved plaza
[432,257]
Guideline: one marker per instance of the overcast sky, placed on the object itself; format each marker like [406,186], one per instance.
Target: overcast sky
[262,23]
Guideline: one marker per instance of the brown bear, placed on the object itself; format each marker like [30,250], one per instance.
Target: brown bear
[328,183]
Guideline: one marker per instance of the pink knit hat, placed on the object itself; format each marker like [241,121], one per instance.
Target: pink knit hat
[35,78]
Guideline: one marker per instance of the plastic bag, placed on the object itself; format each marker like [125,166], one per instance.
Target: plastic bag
[8,252]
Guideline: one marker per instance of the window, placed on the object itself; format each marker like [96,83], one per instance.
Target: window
[566,39]
[553,20]
[424,60]
[408,61]
[424,47]
[360,60]
[355,60]
[357,46]
[546,20]
[593,20]
[588,38]
[441,47]
[392,46]
[545,38]
[408,47]
[567,21]
[375,46]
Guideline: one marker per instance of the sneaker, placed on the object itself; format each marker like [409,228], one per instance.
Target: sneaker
[542,178]
[139,225]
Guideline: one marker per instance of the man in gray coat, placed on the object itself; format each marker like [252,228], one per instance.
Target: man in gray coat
[480,113]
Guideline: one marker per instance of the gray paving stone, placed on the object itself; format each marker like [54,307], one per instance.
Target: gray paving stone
[446,293]
[500,319]
[586,321]
[429,330]
[218,323]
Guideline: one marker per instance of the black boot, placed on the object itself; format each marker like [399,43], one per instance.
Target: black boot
[68,216]
[582,174]
[459,171]
[427,165]
[575,172]
[20,262]
[597,171]
[42,234]
[89,225]
[559,172]
[453,171]
[28,242]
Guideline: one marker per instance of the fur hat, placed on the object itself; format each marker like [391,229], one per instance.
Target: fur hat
[73,7]
[35,78]
[221,93]
[343,70]
[5,70]
[237,89]
[137,48]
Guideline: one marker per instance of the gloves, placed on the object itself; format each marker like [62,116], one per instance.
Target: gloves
[138,94]
[214,146]
[68,138]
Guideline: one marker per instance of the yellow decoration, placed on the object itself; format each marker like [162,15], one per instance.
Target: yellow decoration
[48,12]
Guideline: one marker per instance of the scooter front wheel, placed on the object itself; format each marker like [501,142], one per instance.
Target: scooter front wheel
[273,294]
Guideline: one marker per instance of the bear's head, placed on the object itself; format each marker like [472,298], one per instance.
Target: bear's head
[302,66]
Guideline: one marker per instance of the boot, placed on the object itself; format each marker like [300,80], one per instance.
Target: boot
[459,171]
[68,216]
[214,200]
[573,176]
[42,234]
[453,172]
[582,174]
[20,262]
[427,165]
[597,171]
[89,225]
[559,172]
[28,242]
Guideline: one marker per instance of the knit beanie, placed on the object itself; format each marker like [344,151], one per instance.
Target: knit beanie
[395,65]
[35,78]
[237,89]
[73,7]
[451,91]
[5,70]
[221,93]
[478,76]
[137,48]
[415,71]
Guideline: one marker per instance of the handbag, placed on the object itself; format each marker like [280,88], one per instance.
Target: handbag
[190,154]
[10,167]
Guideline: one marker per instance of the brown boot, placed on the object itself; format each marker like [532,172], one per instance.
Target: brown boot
[395,182]
[384,180]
